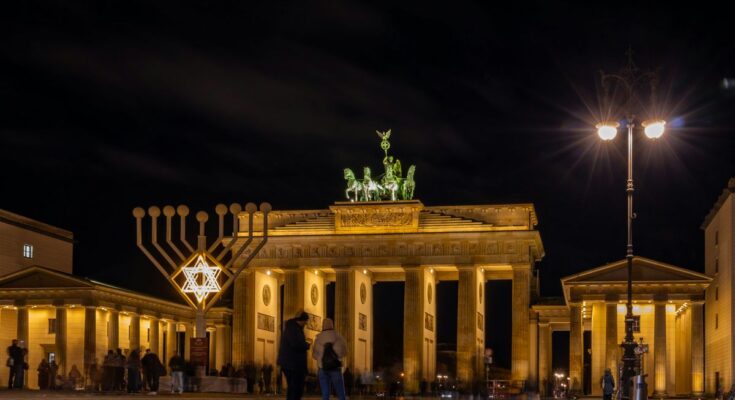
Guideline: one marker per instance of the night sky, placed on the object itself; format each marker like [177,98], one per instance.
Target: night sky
[106,106]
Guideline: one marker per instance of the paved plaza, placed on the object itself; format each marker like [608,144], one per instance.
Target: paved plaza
[34,394]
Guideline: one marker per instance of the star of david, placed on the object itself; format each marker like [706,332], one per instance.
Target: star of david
[201,279]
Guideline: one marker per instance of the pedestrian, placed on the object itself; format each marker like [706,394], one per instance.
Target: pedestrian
[292,355]
[16,362]
[108,371]
[93,372]
[267,377]
[43,371]
[608,385]
[151,370]
[329,349]
[177,366]
[133,366]
[53,370]
[74,376]
[120,362]
[349,381]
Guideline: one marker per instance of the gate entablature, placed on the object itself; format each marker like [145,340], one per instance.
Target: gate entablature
[399,233]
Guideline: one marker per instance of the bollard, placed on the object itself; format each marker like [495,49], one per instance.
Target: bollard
[640,387]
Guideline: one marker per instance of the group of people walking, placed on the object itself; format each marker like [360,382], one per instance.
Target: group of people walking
[120,373]
[117,372]
[329,350]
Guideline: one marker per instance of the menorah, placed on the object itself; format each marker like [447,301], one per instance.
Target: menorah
[201,269]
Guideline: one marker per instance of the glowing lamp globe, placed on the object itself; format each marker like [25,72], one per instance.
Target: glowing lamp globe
[654,129]
[607,130]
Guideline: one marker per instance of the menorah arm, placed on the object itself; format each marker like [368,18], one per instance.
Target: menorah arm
[235,210]
[154,212]
[139,213]
[182,230]
[265,208]
[169,212]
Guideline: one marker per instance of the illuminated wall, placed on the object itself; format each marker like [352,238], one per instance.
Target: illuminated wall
[40,341]
[8,332]
[718,247]
[363,336]
[48,251]
[266,318]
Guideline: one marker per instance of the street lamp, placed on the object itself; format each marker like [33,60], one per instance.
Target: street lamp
[630,78]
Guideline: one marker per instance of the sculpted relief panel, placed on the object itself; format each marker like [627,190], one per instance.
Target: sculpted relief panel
[506,250]
[376,219]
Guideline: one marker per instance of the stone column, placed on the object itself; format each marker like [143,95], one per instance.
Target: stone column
[90,336]
[533,370]
[153,343]
[576,348]
[171,339]
[213,349]
[243,318]
[470,336]
[61,339]
[189,329]
[659,349]
[419,324]
[599,344]
[611,338]
[22,325]
[544,356]
[353,316]
[134,331]
[520,335]
[224,353]
[344,311]
[293,293]
[22,331]
[114,332]
[697,321]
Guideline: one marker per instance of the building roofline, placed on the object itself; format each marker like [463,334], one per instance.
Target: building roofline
[730,189]
[36,226]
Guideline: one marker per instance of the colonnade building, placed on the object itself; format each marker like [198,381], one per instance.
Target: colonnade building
[356,245]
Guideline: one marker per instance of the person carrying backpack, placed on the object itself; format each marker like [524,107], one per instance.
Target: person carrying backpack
[329,349]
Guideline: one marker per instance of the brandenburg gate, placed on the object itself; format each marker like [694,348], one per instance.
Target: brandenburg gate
[382,234]
[356,244]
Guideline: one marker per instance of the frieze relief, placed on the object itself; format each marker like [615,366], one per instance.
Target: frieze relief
[376,219]
[418,249]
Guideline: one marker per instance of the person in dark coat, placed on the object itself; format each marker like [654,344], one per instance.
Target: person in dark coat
[608,385]
[133,365]
[43,371]
[16,363]
[151,370]
[292,355]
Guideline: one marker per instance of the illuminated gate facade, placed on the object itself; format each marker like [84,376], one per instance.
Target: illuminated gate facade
[358,244]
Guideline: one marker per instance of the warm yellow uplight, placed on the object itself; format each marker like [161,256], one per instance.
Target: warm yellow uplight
[654,129]
[607,130]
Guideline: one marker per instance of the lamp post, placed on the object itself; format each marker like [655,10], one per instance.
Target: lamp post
[630,78]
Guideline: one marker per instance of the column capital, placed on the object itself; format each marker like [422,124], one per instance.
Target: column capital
[521,266]
[468,267]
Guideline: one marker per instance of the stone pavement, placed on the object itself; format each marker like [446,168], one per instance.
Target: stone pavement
[35,394]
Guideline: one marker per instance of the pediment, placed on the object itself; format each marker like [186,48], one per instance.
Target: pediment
[644,270]
[39,277]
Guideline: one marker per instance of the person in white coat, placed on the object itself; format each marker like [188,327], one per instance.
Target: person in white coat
[329,349]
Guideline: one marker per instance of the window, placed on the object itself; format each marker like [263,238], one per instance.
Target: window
[717,321]
[52,326]
[28,250]
[717,265]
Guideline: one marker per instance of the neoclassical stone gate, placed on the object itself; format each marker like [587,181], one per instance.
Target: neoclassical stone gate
[356,245]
